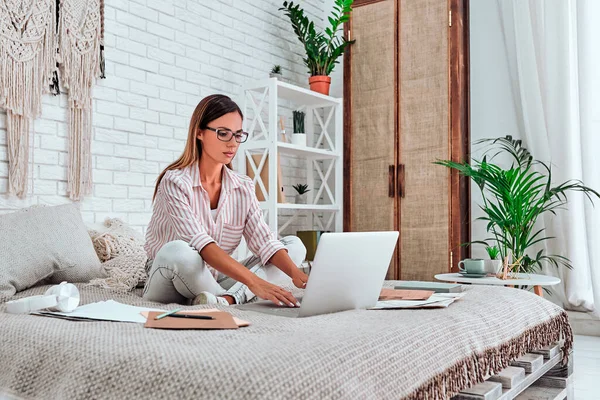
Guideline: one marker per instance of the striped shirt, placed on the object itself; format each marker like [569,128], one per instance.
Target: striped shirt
[182,212]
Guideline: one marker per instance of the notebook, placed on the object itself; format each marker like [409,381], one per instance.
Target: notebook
[396,294]
[240,322]
[437,287]
[222,320]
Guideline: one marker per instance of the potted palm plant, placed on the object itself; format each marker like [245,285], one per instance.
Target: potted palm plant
[322,48]
[514,199]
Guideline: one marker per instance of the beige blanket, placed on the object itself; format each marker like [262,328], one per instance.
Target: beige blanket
[395,354]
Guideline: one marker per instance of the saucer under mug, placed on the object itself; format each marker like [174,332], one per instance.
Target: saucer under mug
[471,275]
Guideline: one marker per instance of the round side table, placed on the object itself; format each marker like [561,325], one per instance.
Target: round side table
[535,280]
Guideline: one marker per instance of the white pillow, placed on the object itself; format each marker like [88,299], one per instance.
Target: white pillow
[45,242]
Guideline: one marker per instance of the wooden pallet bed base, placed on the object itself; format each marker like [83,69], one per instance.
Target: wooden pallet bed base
[538,375]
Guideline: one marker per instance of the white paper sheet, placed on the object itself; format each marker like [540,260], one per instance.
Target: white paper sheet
[109,310]
[437,300]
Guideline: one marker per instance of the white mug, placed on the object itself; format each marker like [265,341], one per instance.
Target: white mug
[472,266]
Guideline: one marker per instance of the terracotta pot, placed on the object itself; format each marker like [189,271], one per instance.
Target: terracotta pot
[320,84]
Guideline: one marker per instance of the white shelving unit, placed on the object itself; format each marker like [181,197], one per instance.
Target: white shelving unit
[323,161]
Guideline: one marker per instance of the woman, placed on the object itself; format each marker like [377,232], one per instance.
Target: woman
[201,210]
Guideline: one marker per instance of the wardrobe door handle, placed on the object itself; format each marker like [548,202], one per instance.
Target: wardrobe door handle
[401,188]
[392,181]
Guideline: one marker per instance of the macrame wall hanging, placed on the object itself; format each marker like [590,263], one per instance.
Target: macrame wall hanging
[27,63]
[43,44]
[79,56]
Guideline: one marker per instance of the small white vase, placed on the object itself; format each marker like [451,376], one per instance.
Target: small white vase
[299,139]
[300,199]
[274,75]
[493,266]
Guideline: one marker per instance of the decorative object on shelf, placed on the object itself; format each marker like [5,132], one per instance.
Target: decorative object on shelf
[282,130]
[322,48]
[310,239]
[276,72]
[299,135]
[27,49]
[302,189]
[493,265]
[79,56]
[264,177]
[513,200]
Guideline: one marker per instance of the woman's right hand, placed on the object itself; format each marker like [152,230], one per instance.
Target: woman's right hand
[274,293]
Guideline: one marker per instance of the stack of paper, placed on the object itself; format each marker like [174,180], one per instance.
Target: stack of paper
[436,300]
[109,310]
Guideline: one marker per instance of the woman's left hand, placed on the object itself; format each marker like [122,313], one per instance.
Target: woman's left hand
[299,279]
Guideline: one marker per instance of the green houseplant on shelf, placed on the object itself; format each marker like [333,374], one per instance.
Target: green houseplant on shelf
[514,199]
[322,48]
[299,135]
[301,189]
[276,72]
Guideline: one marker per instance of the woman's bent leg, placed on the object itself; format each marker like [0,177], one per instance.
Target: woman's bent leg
[178,274]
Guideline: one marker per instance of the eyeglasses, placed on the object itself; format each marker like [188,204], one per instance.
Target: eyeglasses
[226,135]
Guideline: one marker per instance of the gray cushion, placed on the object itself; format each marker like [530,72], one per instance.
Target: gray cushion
[45,242]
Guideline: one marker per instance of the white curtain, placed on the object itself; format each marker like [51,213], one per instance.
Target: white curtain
[553,55]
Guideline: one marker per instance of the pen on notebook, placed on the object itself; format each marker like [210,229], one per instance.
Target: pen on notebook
[167,313]
[191,316]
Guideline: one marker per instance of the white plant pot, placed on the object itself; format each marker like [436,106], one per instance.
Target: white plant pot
[299,139]
[492,266]
[273,75]
[300,199]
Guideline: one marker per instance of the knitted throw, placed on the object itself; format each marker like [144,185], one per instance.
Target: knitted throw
[80,33]
[121,250]
[359,354]
[27,46]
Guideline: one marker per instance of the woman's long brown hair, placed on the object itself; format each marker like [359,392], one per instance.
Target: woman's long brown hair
[210,108]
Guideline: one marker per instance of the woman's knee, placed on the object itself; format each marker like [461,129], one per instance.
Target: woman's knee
[179,256]
[296,249]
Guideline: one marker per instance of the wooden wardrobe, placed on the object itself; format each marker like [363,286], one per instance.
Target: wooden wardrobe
[406,105]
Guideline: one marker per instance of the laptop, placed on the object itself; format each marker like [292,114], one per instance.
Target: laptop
[347,273]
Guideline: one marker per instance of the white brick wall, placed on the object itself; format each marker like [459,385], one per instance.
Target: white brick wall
[162,57]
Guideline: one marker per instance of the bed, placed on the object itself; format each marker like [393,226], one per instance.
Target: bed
[359,354]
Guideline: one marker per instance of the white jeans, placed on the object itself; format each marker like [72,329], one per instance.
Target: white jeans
[178,274]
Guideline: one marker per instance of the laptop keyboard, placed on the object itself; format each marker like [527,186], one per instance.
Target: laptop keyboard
[269,308]
[288,312]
